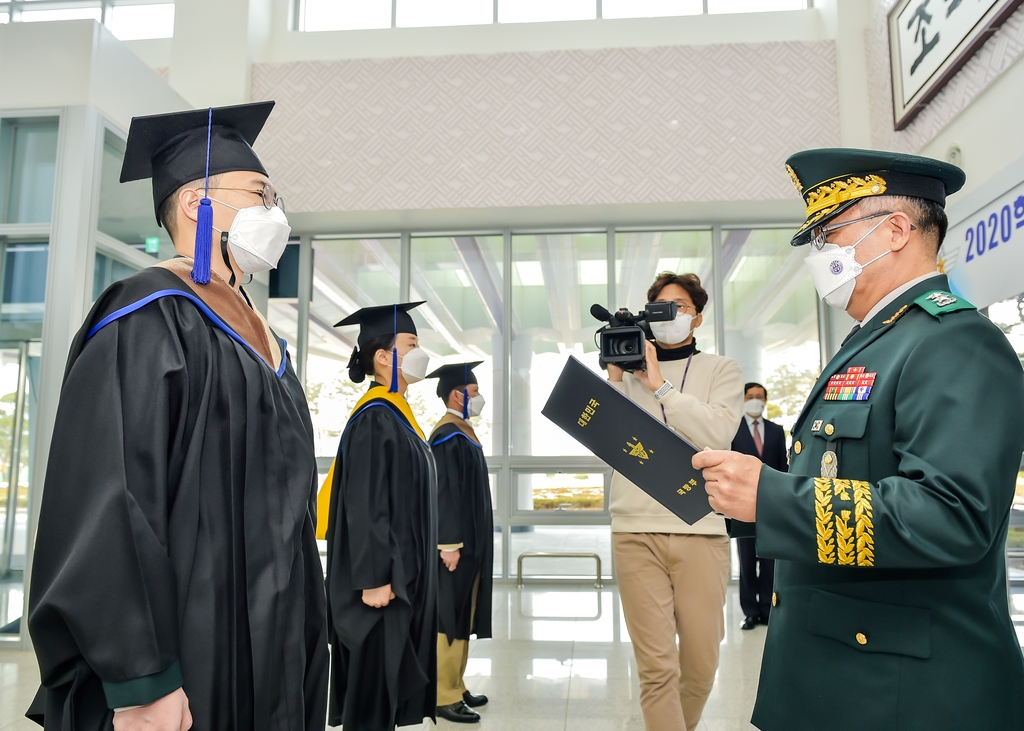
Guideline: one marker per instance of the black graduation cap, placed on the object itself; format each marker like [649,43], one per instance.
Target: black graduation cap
[383,320]
[454,375]
[171,148]
[833,179]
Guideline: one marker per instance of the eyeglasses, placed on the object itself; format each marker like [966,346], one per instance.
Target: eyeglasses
[268,194]
[684,306]
[818,239]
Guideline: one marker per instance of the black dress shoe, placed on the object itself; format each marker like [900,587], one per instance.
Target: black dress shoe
[474,701]
[763,620]
[458,713]
[749,623]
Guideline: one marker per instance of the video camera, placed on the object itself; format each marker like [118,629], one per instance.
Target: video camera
[622,339]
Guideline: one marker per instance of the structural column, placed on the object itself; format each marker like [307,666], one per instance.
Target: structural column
[71,252]
[214,46]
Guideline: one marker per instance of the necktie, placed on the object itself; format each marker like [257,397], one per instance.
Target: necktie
[849,335]
[757,439]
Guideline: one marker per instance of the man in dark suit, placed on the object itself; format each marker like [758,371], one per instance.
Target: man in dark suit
[765,440]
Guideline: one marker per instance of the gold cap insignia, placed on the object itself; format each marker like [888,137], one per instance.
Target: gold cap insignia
[832,195]
[796,181]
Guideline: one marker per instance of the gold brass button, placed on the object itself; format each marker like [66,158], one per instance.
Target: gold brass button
[775,600]
[798,447]
[862,638]
[827,459]
[830,429]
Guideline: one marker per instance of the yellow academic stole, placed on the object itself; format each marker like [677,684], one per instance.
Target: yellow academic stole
[323,500]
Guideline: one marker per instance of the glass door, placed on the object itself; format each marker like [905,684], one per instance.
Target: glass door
[16,406]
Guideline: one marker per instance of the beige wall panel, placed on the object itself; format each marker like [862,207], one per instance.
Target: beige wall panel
[616,126]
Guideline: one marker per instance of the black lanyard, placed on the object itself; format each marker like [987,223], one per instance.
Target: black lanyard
[664,416]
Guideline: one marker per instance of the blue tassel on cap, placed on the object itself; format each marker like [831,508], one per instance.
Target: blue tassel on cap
[204,243]
[465,395]
[394,357]
[204,222]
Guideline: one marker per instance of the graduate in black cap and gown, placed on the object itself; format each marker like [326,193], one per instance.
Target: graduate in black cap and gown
[378,512]
[465,531]
[176,575]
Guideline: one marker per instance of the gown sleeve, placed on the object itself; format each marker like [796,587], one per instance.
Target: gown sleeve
[363,485]
[451,475]
[102,586]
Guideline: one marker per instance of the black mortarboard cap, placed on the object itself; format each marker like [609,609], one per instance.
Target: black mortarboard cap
[383,320]
[454,375]
[833,179]
[171,148]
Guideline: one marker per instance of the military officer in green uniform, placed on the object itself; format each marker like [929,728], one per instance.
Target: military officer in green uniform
[890,608]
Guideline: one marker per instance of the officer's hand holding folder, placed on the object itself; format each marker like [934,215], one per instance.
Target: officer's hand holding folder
[629,439]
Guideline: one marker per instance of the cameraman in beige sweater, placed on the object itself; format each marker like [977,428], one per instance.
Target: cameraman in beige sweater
[672,576]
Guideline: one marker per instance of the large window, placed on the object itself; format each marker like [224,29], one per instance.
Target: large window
[461,279]
[771,317]
[1009,316]
[555,280]
[127,19]
[348,274]
[28,163]
[422,13]
[126,209]
[537,11]
[128,237]
[640,256]
[324,15]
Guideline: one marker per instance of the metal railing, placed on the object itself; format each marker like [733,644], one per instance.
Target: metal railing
[556,554]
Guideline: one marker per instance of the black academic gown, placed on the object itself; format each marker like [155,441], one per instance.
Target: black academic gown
[464,515]
[176,536]
[382,529]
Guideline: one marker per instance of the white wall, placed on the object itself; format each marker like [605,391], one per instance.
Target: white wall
[83,64]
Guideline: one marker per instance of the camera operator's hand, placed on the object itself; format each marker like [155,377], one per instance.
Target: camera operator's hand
[614,373]
[651,378]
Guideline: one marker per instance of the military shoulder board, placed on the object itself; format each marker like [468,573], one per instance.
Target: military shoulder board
[939,303]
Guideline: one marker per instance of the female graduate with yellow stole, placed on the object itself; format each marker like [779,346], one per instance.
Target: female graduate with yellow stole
[378,513]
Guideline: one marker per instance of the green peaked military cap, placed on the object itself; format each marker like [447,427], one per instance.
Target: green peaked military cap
[833,179]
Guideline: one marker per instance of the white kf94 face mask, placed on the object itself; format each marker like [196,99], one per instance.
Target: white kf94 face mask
[414,365]
[476,405]
[834,270]
[753,408]
[674,331]
[257,237]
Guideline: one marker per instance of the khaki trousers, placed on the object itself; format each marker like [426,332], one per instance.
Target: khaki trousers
[673,585]
[452,660]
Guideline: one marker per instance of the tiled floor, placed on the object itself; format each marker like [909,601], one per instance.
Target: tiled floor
[560,660]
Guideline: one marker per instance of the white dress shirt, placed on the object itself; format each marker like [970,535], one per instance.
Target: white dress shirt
[759,427]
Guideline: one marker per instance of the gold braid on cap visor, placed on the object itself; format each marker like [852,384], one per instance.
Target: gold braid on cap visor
[826,198]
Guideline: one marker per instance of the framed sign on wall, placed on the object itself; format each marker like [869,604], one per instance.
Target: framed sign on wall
[930,40]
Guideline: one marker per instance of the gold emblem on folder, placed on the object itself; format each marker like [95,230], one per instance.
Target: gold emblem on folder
[637,450]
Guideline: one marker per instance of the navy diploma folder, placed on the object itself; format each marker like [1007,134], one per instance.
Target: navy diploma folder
[629,439]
